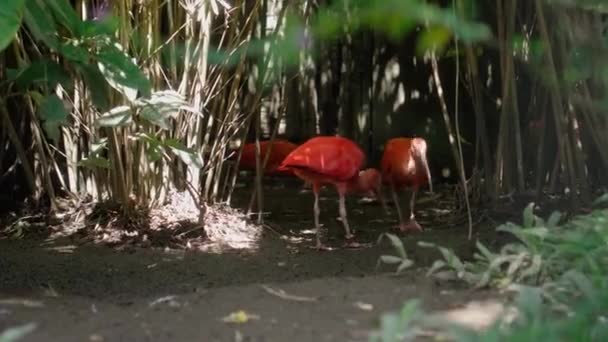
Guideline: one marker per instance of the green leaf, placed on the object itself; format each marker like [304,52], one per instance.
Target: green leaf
[65,14]
[154,150]
[189,156]
[95,28]
[161,106]
[390,259]
[404,265]
[529,216]
[74,52]
[11,14]
[116,117]
[98,88]
[17,333]
[54,115]
[582,282]
[437,265]
[601,200]
[43,72]
[154,153]
[484,251]
[397,244]
[553,219]
[99,146]
[530,300]
[40,22]
[122,73]
[433,38]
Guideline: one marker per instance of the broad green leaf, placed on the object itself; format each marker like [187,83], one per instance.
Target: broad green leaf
[98,146]
[116,117]
[43,72]
[529,216]
[486,252]
[397,244]
[98,87]
[582,282]
[11,75]
[122,73]
[40,22]
[17,333]
[11,14]
[154,150]
[391,328]
[189,156]
[437,265]
[66,16]
[104,27]
[603,199]
[390,259]
[74,52]
[154,153]
[410,310]
[530,300]
[54,115]
[161,106]
[404,265]
[553,220]
[433,38]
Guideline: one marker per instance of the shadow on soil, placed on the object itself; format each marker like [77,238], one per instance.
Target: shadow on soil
[155,295]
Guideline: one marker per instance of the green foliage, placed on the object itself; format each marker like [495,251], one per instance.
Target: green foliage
[53,114]
[95,158]
[557,270]
[155,110]
[41,72]
[401,258]
[11,13]
[122,73]
[161,106]
[398,327]
[17,333]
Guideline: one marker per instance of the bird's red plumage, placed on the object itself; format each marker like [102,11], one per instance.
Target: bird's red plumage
[280,149]
[326,159]
[400,165]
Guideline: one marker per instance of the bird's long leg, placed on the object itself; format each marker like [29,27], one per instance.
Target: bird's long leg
[380,196]
[348,235]
[412,203]
[412,224]
[317,211]
[396,200]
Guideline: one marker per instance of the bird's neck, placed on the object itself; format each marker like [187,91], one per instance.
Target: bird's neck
[354,184]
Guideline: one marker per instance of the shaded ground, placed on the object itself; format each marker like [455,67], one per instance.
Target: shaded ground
[96,293]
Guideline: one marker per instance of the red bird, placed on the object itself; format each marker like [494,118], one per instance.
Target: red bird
[329,160]
[404,165]
[370,184]
[280,149]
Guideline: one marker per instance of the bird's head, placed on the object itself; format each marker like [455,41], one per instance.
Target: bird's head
[369,180]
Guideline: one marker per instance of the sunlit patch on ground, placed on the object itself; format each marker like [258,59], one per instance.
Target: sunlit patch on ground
[175,225]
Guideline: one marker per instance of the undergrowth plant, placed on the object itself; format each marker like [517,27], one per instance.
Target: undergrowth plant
[558,272]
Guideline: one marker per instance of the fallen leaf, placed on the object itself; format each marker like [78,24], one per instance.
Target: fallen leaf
[240,317]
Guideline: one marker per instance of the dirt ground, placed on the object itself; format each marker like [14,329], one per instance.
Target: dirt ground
[75,292]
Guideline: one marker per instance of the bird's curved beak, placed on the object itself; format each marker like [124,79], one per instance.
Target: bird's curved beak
[428,171]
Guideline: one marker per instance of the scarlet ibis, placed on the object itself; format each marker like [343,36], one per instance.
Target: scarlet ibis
[404,165]
[370,184]
[280,149]
[329,160]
